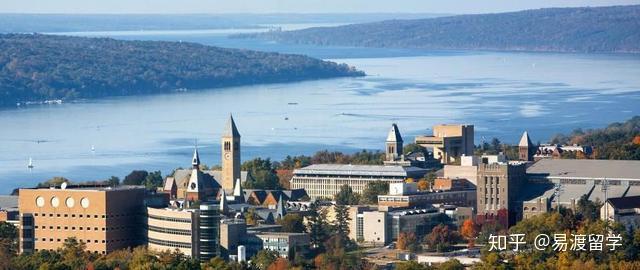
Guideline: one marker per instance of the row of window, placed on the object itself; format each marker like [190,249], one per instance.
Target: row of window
[62,240]
[169,230]
[83,215]
[67,215]
[95,251]
[172,219]
[166,243]
[81,228]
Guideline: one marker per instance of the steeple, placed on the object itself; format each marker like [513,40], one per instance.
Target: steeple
[393,143]
[195,161]
[280,210]
[237,191]
[525,140]
[526,148]
[230,129]
[224,208]
[195,190]
[230,151]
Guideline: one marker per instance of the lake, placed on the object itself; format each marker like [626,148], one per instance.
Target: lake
[501,93]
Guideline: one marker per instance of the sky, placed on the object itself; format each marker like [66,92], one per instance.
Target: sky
[291,6]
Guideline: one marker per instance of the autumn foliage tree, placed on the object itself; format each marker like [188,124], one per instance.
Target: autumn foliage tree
[469,230]
[442,238]
[408,241]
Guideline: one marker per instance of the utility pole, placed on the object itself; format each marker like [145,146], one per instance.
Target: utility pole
[605,187]
[557,192]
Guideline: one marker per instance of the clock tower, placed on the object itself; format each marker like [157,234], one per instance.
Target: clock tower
[230,155]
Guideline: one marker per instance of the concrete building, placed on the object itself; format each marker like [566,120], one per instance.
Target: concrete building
[9,209]
[194,232]
[325,180]
[404,195]
[468,169]
[368,225]
[232,233]
[624,210]
[284,243]
[499,188]
[449,142]
[565,181]
[104,218]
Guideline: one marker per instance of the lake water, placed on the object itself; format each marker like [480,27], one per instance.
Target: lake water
[502,94]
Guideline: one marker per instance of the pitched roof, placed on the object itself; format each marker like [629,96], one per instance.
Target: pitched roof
[195,161]
[168,183]
[394,134]
[625,202]
[230,129]
[525,140]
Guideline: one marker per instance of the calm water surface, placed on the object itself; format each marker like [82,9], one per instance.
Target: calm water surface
[502,94]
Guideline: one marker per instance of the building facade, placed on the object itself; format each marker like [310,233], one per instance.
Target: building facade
[498,190]
[104,218]
[325,180]
[194,232]
[230,144]
[449,142]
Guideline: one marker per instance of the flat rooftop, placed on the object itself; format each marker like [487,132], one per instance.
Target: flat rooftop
[366,170]
[89,188]
[587,168]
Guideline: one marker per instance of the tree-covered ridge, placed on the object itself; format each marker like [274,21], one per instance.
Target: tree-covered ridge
[43,67]
[599,29]
[616,141]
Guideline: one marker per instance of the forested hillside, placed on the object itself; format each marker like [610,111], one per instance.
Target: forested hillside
[42,67]
[600,29]
[616,141]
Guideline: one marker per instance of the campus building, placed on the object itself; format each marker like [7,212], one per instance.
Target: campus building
[406,195]
[325,180]
[104,218]
[194,232]
[553,182]
[449,142]
[499,188]
[180,184]
[624,210]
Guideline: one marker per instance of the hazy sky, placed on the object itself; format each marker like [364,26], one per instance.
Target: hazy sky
[289,6]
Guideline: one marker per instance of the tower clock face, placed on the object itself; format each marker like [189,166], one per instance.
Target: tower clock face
[227,156]
[193,185]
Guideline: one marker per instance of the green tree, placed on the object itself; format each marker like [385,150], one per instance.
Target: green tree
[317,225]
[54,182]
[264,258]
[413,148]
[135,178]
[451,264]
[587,209]
[74,254]
[263,173]
[292,223]
[153,180]
[412,265]
[341,225]
[8,244]
[372,190]
[346,196]
[113,181]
